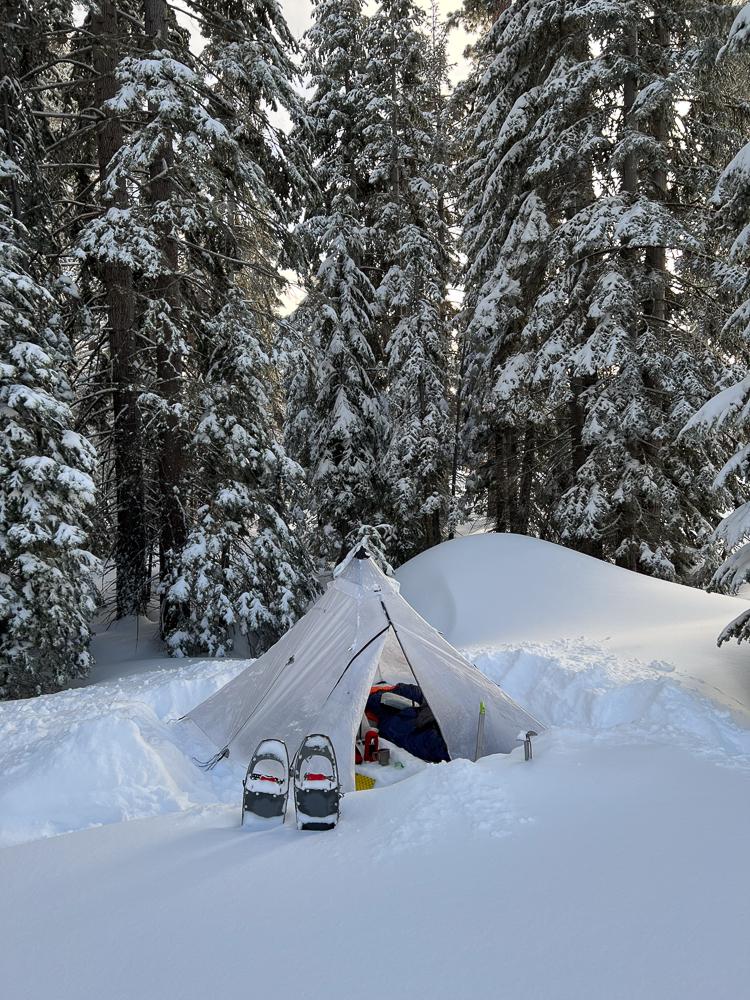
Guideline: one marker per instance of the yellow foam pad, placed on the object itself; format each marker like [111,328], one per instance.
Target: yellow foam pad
[362,782]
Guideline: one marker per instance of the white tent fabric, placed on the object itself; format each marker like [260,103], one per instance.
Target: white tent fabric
[317,677]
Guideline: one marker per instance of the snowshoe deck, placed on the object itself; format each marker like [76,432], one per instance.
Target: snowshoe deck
[317,790]
[266,785]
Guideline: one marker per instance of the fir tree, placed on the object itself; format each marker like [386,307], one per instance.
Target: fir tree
[642,352]
[337,425]
[585,226]
[507,226]
[245,487]
[725,419]
[243,570]
[210,181]
[47,591]
[406,156]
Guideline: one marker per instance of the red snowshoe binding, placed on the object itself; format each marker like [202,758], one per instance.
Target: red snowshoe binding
[266,785]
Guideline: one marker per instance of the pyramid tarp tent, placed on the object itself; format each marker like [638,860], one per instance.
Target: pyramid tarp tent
[317,677]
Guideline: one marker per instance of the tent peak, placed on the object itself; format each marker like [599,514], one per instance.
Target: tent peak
[358,552]
[359,574]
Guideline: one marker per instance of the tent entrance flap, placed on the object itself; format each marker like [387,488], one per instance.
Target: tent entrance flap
[423,738]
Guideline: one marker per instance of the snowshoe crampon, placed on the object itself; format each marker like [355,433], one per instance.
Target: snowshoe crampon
[266,784]
[317,790]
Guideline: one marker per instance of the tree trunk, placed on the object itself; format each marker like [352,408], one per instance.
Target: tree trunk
[9,181]
[117,279]
[656,257]
[169,361]
[630,92]
[522,510]
[501,490]
[626,525]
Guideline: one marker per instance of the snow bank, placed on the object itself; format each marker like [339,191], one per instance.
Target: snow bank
[107,753]
[495,590]
[584,686]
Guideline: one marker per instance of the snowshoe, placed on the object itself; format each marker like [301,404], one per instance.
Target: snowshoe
[266,784]
[317,790]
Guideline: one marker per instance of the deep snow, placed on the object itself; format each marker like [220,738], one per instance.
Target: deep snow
[613,865]
[508,590]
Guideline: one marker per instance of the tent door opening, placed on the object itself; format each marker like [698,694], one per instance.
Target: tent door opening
[401,714]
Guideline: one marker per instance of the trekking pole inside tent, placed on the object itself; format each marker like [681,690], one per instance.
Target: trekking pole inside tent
[480,730]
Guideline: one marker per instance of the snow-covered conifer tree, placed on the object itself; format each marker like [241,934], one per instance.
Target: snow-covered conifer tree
[406,156]
[509,171]
[243,569]
[336,427]
[638,347]
[583,227]
[725,419]
[210,179]
[47,586]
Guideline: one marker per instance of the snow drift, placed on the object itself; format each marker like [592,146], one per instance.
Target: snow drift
[107,753]
[496,589]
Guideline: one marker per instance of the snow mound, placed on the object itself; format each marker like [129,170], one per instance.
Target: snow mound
[582,685]
[498,590]
[107,753]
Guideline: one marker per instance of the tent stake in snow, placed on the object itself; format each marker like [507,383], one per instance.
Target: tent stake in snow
[480,730]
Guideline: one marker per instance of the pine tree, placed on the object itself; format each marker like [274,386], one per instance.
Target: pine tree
[406,155]
[724,420]
[243,570]
[112,245]
[197,188]
[47,585]
[245,538]
[585,226]
[507,226]
[337,425]
[641,351]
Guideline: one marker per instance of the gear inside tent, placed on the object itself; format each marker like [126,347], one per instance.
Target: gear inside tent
[359,636]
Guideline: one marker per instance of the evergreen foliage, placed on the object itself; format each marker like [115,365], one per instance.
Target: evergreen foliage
[47,573]
[586,236]
[369,412]
[243,570]
[159,184]
[337,423]
[406,155]
[725,419]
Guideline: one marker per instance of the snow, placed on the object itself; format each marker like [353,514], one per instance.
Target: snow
[611,865]
[506,590]
[587,873]
[108,752]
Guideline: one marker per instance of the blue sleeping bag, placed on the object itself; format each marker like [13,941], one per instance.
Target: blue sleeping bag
[413,728]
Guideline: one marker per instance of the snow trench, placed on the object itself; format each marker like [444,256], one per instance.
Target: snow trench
[115,751]
[581,685]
